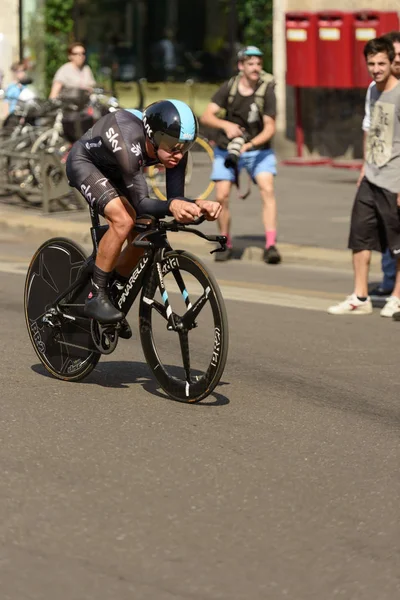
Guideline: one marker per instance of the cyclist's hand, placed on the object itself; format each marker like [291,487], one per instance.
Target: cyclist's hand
[211,210]
[184,212]
[232,130]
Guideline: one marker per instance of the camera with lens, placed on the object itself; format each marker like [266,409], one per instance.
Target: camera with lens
[234,147]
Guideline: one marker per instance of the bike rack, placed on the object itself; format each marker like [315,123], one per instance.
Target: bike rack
[55,183]
[56,187]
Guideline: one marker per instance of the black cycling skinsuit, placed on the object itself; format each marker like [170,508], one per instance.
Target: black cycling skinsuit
[107,163]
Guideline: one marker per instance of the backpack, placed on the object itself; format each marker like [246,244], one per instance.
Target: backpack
[266,79]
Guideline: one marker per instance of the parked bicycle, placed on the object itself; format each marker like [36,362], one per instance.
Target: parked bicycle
[182,316]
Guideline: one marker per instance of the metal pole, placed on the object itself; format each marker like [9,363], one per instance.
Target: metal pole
[232,33]
[21,30]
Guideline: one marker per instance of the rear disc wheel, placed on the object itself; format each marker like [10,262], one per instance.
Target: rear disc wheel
[64,347]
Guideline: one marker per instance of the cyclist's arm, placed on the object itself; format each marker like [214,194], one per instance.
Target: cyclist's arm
[129,157]
[137,191]
[175,180]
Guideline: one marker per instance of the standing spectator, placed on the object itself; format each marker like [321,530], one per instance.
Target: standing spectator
[250,105]
[375,221]
[74,78]
[389,263]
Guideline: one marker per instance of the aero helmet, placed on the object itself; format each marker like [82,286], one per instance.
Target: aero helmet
[170,125]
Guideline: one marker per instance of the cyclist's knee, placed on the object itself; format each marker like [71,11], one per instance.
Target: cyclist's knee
[120,220]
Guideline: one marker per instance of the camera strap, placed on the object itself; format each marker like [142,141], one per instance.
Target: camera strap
[240,195]
[259,94]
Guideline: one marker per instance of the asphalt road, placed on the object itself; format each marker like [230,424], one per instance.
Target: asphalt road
[283,484]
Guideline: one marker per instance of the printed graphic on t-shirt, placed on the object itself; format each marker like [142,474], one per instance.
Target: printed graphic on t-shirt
[380,135]
[254,114]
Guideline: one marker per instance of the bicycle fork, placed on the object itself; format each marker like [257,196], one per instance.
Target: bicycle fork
[188,320]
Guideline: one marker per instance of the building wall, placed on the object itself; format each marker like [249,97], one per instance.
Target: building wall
[331,118]
[9,36]
[348,5]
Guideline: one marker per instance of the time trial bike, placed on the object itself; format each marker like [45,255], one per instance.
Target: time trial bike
[182,317]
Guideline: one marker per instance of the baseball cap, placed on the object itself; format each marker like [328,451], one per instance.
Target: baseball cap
[249,51]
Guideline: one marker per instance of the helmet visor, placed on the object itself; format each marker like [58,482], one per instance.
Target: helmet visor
[174,146]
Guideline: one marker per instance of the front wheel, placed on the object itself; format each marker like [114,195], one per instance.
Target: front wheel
[64,346]
[187,362]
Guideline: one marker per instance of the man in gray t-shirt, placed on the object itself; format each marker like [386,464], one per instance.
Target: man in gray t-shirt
[389,263]
[382,156]
[375,219]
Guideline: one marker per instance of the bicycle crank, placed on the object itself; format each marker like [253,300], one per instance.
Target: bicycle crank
[105,337]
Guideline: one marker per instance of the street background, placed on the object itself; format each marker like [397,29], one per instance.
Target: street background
[282,484]
[314,207]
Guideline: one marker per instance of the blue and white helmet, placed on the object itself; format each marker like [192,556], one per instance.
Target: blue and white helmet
[170,125]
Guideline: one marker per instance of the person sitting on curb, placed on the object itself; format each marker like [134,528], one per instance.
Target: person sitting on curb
[250,105]
[375,222]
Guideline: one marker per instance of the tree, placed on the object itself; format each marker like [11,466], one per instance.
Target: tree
[59,25]
[255,19]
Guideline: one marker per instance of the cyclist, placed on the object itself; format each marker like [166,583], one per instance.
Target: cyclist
[106,166]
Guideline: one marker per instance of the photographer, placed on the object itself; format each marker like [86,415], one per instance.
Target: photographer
[244,141]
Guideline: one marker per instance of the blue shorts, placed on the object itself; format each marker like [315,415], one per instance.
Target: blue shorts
[254,161]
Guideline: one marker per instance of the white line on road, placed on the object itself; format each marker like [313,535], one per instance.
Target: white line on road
[239,292]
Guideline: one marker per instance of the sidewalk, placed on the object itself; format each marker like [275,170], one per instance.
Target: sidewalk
[314,205]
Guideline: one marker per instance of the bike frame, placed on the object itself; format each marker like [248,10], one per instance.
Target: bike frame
[156,244]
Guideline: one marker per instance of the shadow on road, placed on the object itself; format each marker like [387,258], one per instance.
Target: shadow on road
[122,374]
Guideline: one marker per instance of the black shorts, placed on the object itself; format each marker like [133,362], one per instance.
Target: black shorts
[83,175]
[375,220]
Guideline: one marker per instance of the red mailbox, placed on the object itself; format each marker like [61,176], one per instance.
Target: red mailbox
[369,24]
[301,49]
[335,49]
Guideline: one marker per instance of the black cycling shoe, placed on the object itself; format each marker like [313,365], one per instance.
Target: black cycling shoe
[98,306]
[125,332]
[272,256]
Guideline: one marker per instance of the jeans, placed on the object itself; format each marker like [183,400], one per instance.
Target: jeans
[389,267]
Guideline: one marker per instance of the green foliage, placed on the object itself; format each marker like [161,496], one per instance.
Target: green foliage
[36,50]
[255,20]
[58,31]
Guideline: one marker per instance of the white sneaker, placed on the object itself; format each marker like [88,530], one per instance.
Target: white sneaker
[392,305]
[352,305]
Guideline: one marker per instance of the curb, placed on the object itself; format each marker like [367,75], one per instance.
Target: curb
[42,227]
